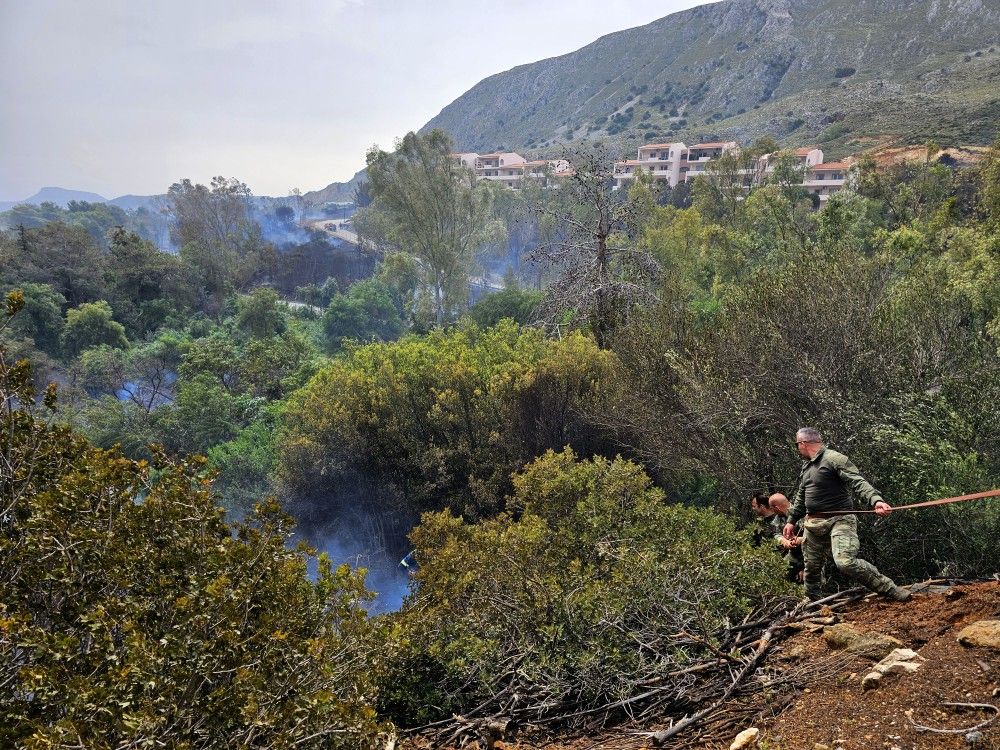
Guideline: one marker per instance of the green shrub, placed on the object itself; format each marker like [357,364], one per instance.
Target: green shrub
[587,586]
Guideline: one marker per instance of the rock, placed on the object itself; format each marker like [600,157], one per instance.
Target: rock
[900,661]
[872,645]
[974,738]
[796,652]
[982,634]
[871,680]
[745,738]
[821,746]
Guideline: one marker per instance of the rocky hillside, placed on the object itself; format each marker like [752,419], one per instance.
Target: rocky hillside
[838,72]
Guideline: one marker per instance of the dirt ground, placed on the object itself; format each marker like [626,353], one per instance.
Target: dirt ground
[809,697]
[834,710]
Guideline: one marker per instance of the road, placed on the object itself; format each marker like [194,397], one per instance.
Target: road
[331,227]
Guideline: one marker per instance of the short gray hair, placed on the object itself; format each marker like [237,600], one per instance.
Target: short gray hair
[811,434]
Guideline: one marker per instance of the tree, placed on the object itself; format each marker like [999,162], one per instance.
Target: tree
[42,319]
[362,196]
[590,245]
[365,313]
[132,613]
[259,314]
[217,236]
[63,256]
[89,325]
[429,205]
[989,181]
[145,284]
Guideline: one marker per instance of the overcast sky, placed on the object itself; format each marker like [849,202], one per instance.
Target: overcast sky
[128,96]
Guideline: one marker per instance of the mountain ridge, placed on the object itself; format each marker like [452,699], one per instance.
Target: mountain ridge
[800,71]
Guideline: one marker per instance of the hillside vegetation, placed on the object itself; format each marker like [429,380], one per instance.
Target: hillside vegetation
[570,465]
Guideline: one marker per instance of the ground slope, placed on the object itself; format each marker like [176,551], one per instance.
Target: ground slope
[808,696]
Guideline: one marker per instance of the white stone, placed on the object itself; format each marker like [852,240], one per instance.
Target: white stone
[744,738]
[900,661]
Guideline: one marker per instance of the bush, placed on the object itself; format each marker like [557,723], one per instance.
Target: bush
[426,422]
[588,588]
[519,305]
[132,614]
[366,312]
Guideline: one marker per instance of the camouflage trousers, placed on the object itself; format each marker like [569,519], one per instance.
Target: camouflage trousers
[838,536]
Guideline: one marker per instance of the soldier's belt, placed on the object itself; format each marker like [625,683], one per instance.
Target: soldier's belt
[911,506]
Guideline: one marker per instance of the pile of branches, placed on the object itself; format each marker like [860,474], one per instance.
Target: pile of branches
[697,702]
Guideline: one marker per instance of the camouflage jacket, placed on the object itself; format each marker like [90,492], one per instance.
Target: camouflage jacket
[824,483]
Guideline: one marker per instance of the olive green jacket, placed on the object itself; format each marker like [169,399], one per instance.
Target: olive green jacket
[824,485]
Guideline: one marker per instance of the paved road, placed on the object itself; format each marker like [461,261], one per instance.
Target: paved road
[332,228]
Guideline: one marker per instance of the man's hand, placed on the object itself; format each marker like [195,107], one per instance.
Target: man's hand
[797,542]
[789,531]
[787,543]
[882,508]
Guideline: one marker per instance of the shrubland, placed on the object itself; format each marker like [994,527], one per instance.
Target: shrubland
[571,458]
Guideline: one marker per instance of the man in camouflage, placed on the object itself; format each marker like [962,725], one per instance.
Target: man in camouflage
[792,548]
[771,518]
[824,481]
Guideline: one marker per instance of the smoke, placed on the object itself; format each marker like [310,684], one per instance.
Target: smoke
[279,220]
[384,575]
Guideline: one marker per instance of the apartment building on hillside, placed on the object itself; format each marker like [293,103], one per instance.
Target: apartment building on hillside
[671,163]
[674,163]
[511,169]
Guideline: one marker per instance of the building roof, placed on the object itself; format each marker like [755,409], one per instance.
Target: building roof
[831,166]
[715,144]
[805,150]
[657,145]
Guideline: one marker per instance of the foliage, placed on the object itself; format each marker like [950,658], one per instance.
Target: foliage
[96,219]
[258,314]
[426,422]
[365,312]
[132,614]
[519,305]
[588,589]
[63,256]
[89,325]
[428,205]
[217,236]
[146,286]
[41,320]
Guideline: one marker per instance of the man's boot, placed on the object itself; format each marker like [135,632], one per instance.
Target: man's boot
[898,594]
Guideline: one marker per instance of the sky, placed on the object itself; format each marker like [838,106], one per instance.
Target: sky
[129,96]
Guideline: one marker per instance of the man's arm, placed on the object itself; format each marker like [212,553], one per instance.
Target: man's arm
[861,486]
[798,507]
[852,477]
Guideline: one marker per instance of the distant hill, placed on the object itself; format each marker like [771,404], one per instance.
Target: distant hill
[132,202]
[62,197]
[336,192]
[843,73]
